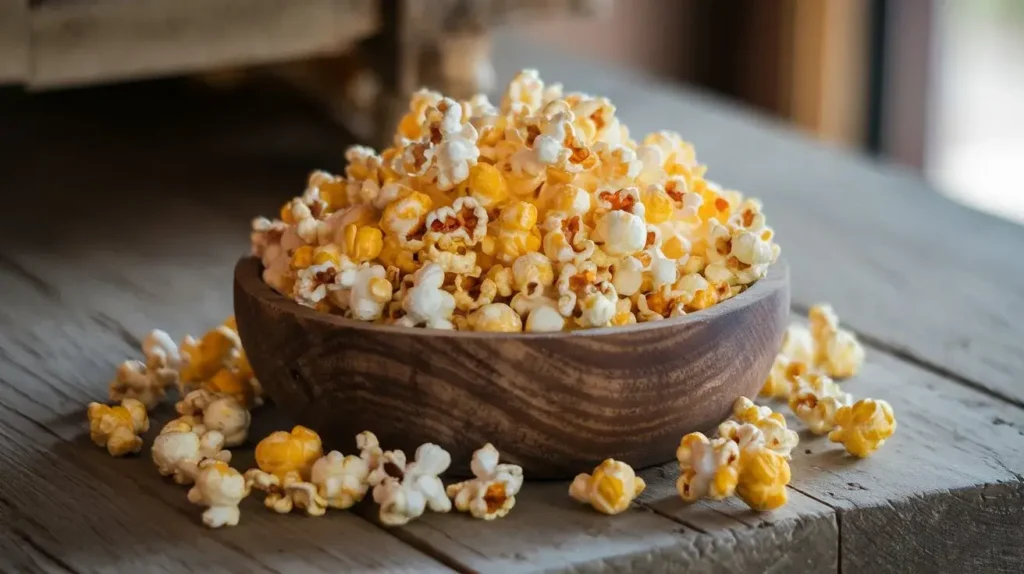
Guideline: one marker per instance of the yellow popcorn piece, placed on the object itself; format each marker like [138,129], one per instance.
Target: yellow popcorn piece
[487,186]
[203,358]
[777,436]
[492,494]
[763,477]
[782,379]
[609,489]
[708,468]
[362,243]
[863,427]
[286,458]
[220,488]
[117,428]
[182,445]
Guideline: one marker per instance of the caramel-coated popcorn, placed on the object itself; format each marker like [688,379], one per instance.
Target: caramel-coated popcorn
[478,217]
[864,426]
[492,494]
[610,489]
[117,428]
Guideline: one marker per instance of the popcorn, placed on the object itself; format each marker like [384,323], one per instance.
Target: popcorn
[763,477]
[285,461]
[497,202]
[136,381]
[797,344]
[117,428]
[708,467]
[863,427]
[777,436]
[837,351]
[182,444]
[782,378]
[201,359]
[492,494]
[609,489]
[495,317]
[405,491]
[217,412]
[426,303]
[816,400]
[341,480]
[220,488]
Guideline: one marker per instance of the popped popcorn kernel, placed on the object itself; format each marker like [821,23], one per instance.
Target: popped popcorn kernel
[341,480]
[863,427]
[763,477]
[837,351]
[816,400]
[182,445]
[293,452]
[777,436]
[708,468]
[609,489]
[217,412]
[117,428]
[495,318]
[492,494]
[405,490]
[220,488]
[134,380]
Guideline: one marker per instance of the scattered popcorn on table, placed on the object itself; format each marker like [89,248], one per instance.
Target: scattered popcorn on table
[405,490]
[285,458]
[610,488]
[148,382]
[117,428]
[468,219]
[837,352]
[816,399]
[217,412]
[708,468]
[777,436]
[492,494]
[220,488]
[182,444]
[864,426]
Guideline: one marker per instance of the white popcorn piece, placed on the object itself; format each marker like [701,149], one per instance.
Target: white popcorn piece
[597,305]
[532,272]
[340,480]
[492,494]
[628,276]
[495,318]
[610,489]
[524,93]
[161,351]
[426,303]
[370,292]
[544,319]
[315,282]
[837,351]
[217,412]
[220,488]
[797,344]
[182,444]
[405,491]
[620,233]
[453,159]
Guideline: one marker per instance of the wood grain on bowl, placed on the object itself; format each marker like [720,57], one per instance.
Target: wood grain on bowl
[555,403]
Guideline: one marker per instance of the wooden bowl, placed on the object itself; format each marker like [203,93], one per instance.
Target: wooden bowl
[555,403]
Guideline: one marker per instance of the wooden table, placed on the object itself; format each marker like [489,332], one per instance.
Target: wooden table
[117,221]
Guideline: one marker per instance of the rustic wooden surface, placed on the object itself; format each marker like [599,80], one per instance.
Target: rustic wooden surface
[119,221]
[551,403]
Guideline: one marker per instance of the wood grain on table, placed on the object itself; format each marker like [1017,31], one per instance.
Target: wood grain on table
[119,220]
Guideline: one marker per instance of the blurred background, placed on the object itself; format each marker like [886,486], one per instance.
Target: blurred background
[935,85]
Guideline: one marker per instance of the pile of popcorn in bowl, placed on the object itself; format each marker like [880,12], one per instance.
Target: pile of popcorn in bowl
[541,214]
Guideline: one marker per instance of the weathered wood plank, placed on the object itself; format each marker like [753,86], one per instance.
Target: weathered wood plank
[894,257]
[86,42]
[946,493]
[18,552]
[14,44]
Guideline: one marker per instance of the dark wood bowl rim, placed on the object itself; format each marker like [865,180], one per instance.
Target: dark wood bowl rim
[248,276]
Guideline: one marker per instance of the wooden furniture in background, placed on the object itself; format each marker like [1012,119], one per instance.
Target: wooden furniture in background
[146,232]
[570,400]
[367,55]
